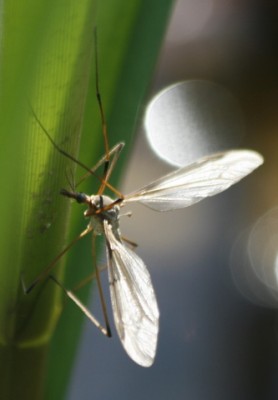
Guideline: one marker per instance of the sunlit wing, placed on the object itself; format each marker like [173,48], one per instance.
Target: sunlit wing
[205,177]
[133,300]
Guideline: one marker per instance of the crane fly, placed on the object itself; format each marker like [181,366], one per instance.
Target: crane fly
[134,304]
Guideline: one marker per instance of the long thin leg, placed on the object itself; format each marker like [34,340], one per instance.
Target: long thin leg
[88,279]
[64,153]
[103,122]
[101,295]
[116,150]
[83,308]
[106,331]
[130,242]
[49,268]
[101,110]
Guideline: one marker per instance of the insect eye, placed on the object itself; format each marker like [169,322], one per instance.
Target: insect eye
[80,197]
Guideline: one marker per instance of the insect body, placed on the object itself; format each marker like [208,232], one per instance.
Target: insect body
[133,299]
[100,208]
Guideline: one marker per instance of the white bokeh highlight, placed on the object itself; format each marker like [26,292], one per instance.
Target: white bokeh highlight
[192,119]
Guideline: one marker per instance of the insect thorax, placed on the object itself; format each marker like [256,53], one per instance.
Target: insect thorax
[110,215]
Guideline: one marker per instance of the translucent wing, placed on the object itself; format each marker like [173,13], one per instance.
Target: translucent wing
[133,299]
[206,177]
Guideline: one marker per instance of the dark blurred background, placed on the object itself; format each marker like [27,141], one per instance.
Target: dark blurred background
[215,265]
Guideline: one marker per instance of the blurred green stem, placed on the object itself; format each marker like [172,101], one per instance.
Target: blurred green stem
[46,56]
